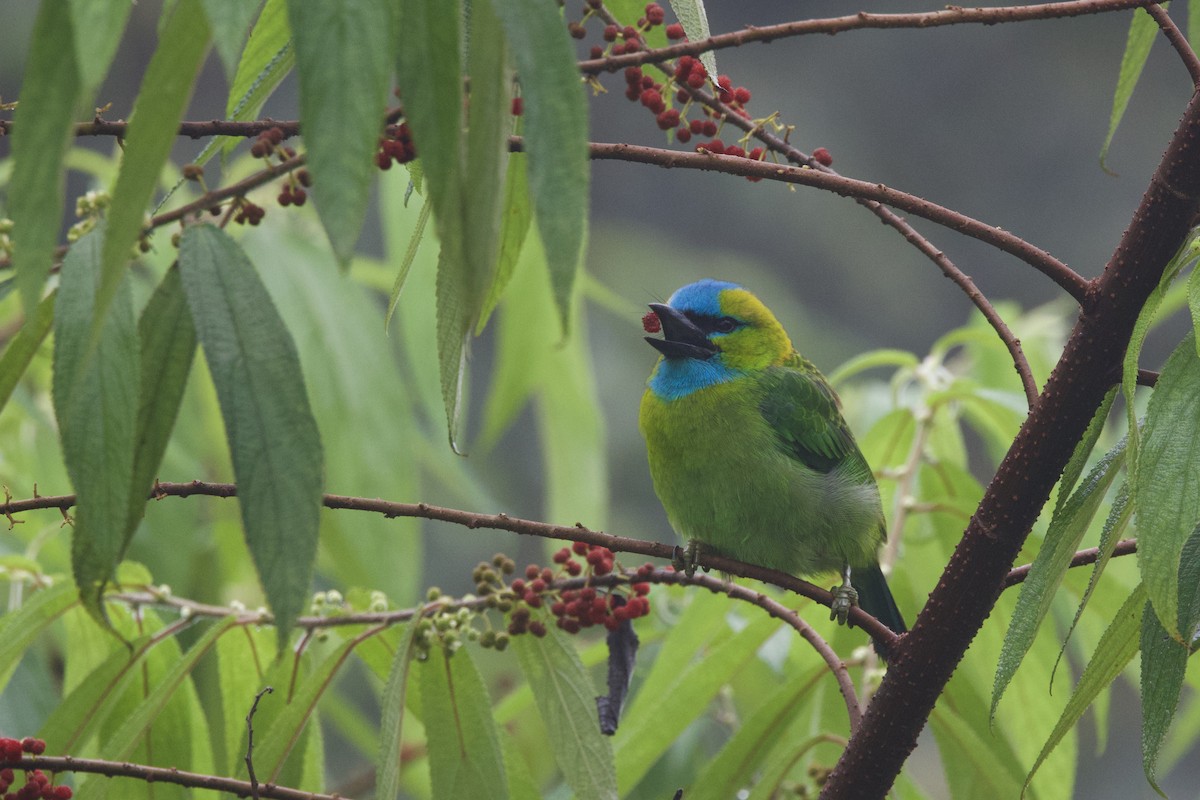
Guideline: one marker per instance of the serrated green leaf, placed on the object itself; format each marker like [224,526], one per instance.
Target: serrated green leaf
[230,22]
[1066,530]
[556,130]
[22,347]
[342,53]
[1083,450]
[1143,30]
[1164,664]
[242,658]
[566,703]
[278,740]
[1193,288]
[168,345]
[406,262]
[1167,484]
[465,761]
[1115,649]
[515,225]
[95,400]
[135,726]
[98,27]
[694,18]
[387,772]
[20,626]
[654,722]
[759,731]
[152,129]
[273,439]
[50,99]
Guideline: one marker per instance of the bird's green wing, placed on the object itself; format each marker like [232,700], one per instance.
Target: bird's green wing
[803,411]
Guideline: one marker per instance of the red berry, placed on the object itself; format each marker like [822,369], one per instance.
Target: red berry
[558,608]
[579,548]
[675,31]
[587,594]
[724,82]
[610,33]
[518,106]
[570,625]
[632,46]
[632,92]
[756,154]
[734,150]
[697,126]
[537,585]
[573,568]
[683,135]
[822,157]
[651,323]
[532,571]
[518,586]
[710,128]
[604,567]
[696,80]
[612,623]
[645,569]
[576,30]
[684,65]
[31,745]
[655,14]
[596,52]
[62,793]
[682,96]
[299,196]
[629,34]
[562,556]
[7,777]
[633,76]
[641,588]
[667,119]
[533,600]
[742,95]
[537,628]
[716,147]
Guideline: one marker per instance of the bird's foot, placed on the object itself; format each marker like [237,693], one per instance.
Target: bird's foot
[686,559]
[845,597]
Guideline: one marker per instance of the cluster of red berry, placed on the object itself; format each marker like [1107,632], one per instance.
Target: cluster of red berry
[248,212]
[37,785]
[396,145]
[632,37]
[576,609]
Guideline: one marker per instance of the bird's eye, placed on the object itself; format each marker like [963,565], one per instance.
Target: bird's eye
[726,325]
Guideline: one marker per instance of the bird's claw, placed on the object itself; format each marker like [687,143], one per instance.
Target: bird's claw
[845,597]
[686,559]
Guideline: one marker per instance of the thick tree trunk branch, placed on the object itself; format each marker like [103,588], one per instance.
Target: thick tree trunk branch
[975,576]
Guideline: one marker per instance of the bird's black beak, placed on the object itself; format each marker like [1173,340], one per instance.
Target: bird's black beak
[681,337]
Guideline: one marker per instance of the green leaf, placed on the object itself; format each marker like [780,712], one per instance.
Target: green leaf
[44,121]
[1115,649]
[410,255]
[886,357]
[241,660]
[161,101]
[274,442]
[230,21]
[1193,285]
[21,626]
[1167,484]
[565,700]
[742,755]
[515,225]
[387,772]
[272,749]
[556,130]
[971,768]
[1067,527]
[1164,664]
[168,345]
[465,761]
[22,347]
[694,18]
[1143,30]
[119,746]
[1083,450]
[342,60]
[267,59]
[95,400]
[655,721]
[98,26]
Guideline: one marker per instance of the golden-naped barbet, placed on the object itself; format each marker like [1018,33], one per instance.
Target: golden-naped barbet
[749,452]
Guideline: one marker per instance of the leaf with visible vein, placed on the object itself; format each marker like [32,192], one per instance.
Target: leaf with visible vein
[1143,30]
[387,781]
[20,626]
[22,347]
[694,18]
[273,439]
[230,21]
[50,97]
[98,27]
[1164,664]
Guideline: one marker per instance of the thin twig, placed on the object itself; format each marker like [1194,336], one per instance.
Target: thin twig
[953,15]
[147,774]
[1124,547]
[1178,41]
[250,741]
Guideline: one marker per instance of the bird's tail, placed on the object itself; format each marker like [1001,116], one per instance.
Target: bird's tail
[876,599]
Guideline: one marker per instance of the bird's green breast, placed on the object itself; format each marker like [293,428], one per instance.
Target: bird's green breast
[725,481]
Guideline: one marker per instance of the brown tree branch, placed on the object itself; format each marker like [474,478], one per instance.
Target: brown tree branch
[978,569]
[952,15]
[141,772]
[1124,547]
[1175,36]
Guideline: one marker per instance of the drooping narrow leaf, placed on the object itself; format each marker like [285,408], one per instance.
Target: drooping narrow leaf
[1164,664]
[95,400]
[98,27]
[50,98]
[19,627]
[564,697]
[517,215]
[556,130]
[1066,530]
[1167,483]
[162,98]
[410,255]
[242,658]
[266,59]
[694,18]
[122,743]
[230,21]
[1143,30]
[273,439]
[22,347]
[342,60]
[1193,291]
[1114,650]
[465,761]
[970,767]
[1083,450]
[168,344]
[387,772]
[727,773]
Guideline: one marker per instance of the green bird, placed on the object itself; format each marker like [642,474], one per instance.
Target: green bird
[749,452]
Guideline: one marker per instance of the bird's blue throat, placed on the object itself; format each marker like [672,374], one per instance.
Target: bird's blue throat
[674,378]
